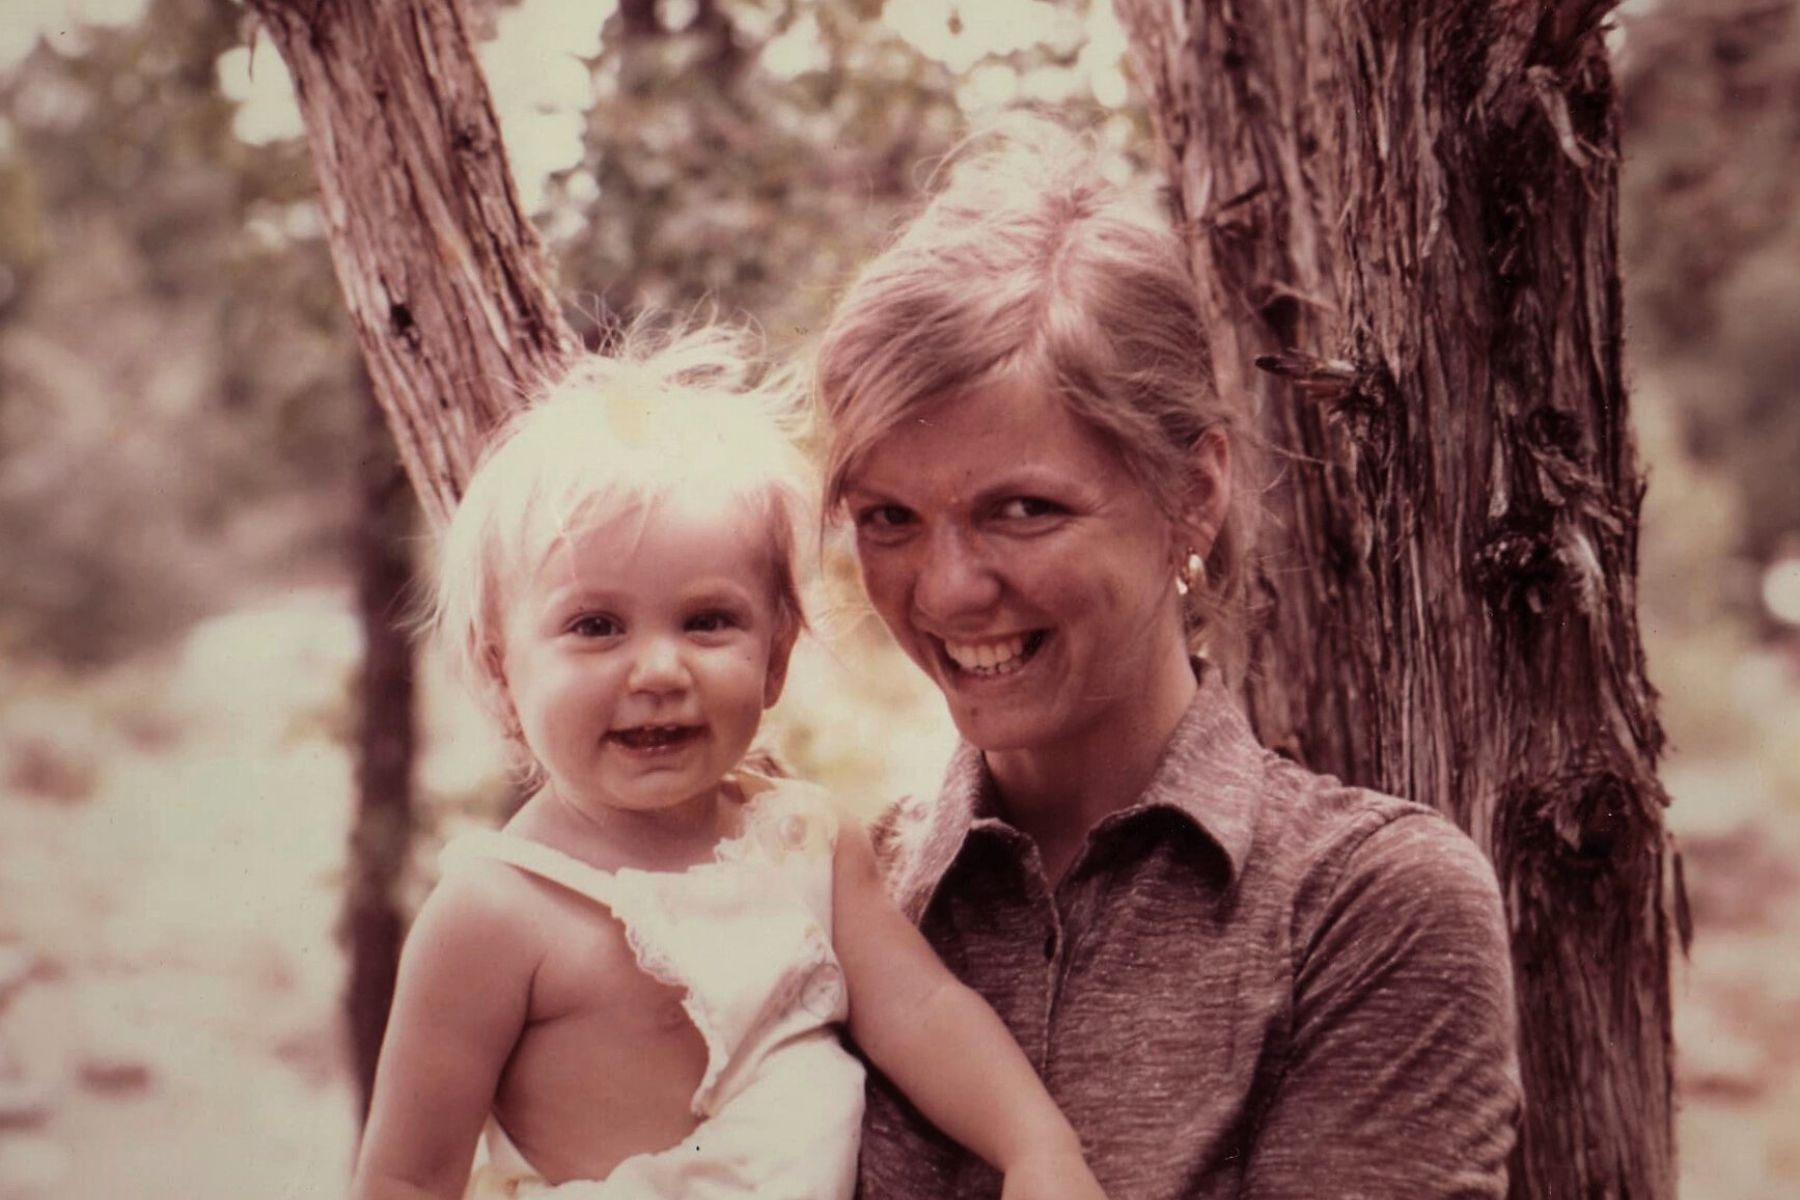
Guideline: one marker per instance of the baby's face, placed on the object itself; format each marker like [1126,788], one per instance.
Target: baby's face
[640,656]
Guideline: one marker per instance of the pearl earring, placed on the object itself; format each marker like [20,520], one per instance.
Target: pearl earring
[1191,573]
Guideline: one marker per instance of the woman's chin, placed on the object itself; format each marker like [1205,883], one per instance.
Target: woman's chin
[995,718]
[997,733]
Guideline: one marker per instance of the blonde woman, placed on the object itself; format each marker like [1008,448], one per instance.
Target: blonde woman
[1237,978]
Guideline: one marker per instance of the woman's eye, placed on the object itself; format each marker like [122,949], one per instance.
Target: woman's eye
[1025,508]
[884,516]
[593,626]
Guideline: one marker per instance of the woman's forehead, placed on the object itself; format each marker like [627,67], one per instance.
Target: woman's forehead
[1006,427]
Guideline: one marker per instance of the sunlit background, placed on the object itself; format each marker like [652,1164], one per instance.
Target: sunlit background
[182,419]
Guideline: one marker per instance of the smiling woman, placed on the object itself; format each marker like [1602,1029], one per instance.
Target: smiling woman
[1025,570]
[1237,978]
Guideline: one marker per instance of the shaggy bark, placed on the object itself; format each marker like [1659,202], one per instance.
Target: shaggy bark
[445,277]
[1409,212]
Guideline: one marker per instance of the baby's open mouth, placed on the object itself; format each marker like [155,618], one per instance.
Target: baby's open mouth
[995,656]
[655,737]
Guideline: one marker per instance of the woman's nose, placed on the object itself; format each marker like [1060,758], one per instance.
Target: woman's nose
[658,667]
[953,579]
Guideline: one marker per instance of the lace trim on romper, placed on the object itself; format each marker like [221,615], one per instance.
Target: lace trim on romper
[627,904]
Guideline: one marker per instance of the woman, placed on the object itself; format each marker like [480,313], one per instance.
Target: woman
[1237,978]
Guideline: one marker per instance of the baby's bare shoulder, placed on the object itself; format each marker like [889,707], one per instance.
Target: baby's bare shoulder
[467,970]
[499,918]
[482,914]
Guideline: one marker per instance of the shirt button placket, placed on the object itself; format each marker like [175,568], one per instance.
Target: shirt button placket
[1036,910]
[1053,945]
[1069,923]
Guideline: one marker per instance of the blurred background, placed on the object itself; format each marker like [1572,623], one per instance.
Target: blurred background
[187,461]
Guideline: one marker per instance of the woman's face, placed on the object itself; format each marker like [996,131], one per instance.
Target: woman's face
[1019,563]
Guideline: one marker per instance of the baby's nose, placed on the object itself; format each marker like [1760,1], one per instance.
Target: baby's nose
[658,667]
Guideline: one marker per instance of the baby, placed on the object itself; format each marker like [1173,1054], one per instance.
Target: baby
[637,987]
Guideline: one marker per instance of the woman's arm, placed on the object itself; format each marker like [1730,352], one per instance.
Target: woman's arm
[459,1004]
[1402,1078]
[941,1043]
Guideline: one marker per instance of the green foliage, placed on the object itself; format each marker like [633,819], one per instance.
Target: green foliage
[723,169]
[1710,236]
[1711,230]
[173,353]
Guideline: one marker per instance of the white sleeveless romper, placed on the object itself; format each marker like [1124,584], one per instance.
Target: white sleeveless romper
[746,937]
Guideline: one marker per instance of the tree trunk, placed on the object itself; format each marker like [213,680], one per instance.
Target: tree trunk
[373,921]
[1409,211]
[445,277]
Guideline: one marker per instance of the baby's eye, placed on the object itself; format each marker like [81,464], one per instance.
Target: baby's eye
[595,625]
[1025,508]
[712,621]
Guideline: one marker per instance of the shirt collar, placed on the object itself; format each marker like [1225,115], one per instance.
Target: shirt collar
[1211,771]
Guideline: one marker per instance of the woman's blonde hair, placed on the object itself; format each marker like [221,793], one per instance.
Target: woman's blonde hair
[612,435]
[1030,260]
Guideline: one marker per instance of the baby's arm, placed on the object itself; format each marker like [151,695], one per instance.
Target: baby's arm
[459,1004]
[941,1043]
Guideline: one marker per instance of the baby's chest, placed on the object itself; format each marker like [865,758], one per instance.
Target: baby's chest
[588,972]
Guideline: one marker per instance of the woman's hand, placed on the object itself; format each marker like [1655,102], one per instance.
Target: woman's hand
[1053,1175]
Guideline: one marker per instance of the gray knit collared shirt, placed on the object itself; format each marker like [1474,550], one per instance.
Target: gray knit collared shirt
[1255,983]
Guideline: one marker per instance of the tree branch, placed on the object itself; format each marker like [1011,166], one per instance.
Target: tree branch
[445,278]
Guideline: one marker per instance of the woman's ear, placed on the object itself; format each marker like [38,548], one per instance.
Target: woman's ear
[1209,490]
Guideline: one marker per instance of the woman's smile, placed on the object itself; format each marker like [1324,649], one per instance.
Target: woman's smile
[993,658]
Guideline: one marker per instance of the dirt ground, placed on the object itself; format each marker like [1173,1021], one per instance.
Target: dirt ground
[1737,998]
[171,848]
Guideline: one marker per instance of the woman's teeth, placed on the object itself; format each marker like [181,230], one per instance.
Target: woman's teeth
[1002,656]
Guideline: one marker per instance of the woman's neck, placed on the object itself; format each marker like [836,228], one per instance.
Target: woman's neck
[1056,793]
